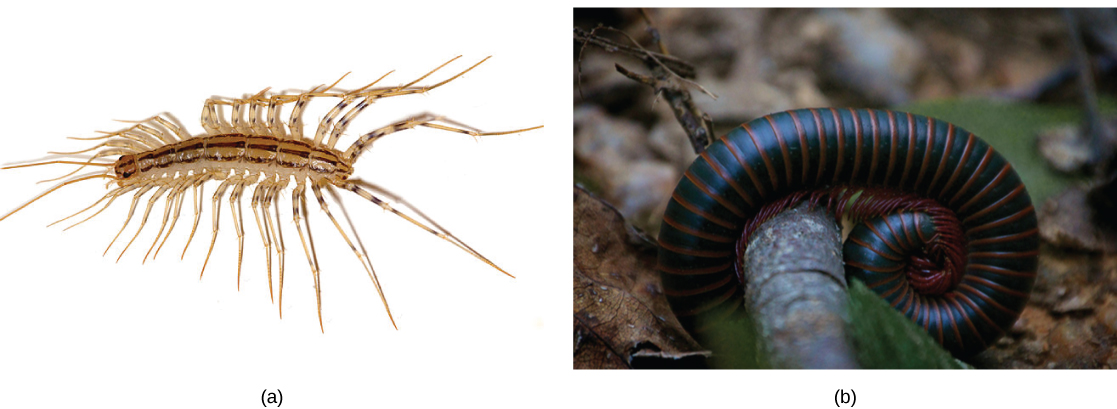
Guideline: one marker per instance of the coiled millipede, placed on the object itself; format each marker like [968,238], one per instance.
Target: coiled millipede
[948,233]
[254,146]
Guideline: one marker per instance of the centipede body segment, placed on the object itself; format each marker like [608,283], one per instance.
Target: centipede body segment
[252,153]
[948,233]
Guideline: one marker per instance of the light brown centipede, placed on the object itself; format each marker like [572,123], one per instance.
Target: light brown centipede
[251,146]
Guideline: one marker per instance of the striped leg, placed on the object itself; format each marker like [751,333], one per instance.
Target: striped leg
[442,234]
[426,119]
[298,199]
[367,264]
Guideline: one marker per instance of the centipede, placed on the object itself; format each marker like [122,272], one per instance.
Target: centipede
[248,150]
[945,230]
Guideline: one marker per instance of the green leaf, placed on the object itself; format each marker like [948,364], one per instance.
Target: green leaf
[886,339]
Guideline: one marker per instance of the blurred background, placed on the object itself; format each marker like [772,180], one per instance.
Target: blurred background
[1013,77]
[992,72]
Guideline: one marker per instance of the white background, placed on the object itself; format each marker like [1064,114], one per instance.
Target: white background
[79,329]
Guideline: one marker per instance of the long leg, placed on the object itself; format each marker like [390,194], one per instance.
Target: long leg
[143,222]
[199,192]
[41,195]
[265,233]
[238,218]
[426,120]
[130,132]
[126,145]
[179,187]
[216,216]
[298,199]
[382,192]
[111,195]
[353,112]
[89,162]
[327,122]
[441,234]
[277,234]
[190,181]
[135,199]
[367,264]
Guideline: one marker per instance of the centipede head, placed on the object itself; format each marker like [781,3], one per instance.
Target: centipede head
[125,167]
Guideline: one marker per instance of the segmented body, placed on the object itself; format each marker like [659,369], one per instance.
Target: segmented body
[840,157]
[254,147]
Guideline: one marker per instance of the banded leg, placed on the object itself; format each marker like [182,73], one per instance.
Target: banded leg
[353,112]
[237,117]
[425,119]
[275,124]
[212,120]
[409,88]
[255,107]
[440,233]
[327,122]
[295,124]
[367,264]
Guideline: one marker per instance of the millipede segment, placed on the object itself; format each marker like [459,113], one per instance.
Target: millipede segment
[966,280]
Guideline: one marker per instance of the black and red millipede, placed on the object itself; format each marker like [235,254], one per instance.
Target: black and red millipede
[947,230]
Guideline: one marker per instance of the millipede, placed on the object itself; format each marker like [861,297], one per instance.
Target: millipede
[946,231]
[252,147]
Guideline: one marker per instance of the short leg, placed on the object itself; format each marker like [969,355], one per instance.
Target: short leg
[212,120]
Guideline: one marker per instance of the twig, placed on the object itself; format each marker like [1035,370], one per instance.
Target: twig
[796,290]
[670,78]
